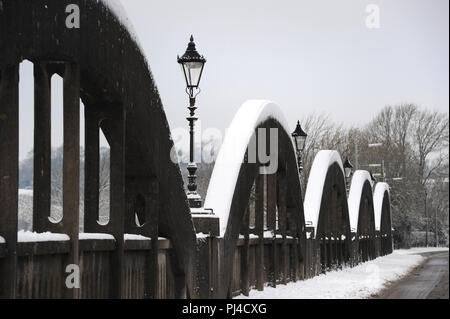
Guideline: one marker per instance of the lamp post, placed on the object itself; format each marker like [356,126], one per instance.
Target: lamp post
[299,137]
[192,64]
[348,169]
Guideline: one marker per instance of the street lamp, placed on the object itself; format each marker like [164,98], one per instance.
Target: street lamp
[192,64]
[348,169]
[299,137]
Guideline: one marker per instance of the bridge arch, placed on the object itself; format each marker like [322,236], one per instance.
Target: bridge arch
[275,214]
[326,210]
[102,64]
[362,216]
[383,218]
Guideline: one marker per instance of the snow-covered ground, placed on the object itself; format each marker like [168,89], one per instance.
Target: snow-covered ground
[361,281]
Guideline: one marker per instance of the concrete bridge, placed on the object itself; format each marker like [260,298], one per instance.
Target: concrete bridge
[261,230]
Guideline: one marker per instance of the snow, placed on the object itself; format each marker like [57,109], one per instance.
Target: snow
[354,198]
[249,236]
[140,237]
[28,236]
[119,12]
[193,196]
[361,281]
[378,195]
[135,237]
[86,236]
[202,212]
[269,234]
[25,192]
[421,250]
[231,155]
[313,196]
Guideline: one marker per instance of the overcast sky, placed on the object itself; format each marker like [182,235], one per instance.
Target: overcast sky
[307,55]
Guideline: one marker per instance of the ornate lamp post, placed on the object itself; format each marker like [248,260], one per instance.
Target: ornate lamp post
[192,64]
[299,137]
[348,169]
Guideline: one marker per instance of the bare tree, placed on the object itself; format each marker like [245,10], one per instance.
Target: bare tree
[431,133]
[414,143]
[322,134]
[56,188]
[104,183]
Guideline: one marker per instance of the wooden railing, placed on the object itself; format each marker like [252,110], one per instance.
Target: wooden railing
[280,261]
[41,268]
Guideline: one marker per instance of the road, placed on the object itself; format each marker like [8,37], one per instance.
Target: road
[427,281]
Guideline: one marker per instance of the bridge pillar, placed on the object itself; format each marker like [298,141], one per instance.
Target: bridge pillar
[71,163]
[147,190]
[42,147]
[209,246]
[208,267]
[91,170]
[9,176]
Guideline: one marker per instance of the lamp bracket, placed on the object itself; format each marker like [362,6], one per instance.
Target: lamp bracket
[193,91]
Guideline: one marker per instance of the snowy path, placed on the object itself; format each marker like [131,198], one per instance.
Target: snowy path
[361,281]
[430,281]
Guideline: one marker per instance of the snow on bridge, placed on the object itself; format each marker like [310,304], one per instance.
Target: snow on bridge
[122,251]
[231,155]
[316,183]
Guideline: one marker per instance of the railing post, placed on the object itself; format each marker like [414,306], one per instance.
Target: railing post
[259,225]
[325,254]
[338,251]
[9,176]
[152,219]
[330,252]
[271,222]
[71,163]
[91,170]
[117,202]
[282,223]
[245,254]
[42,147]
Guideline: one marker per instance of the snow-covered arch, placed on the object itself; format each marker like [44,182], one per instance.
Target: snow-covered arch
[316,182]
[361,211]
[225,175]
[381,190]
[383,218]
[359,179]
[234,174]
[326,207]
